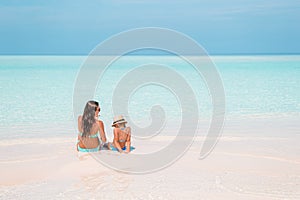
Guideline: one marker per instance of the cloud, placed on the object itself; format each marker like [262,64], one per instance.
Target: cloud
[9,14]
[258,8]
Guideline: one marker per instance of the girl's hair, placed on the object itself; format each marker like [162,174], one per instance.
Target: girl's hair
[88,118]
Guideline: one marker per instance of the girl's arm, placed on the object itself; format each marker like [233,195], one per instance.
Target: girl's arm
[128,139]
[116,140]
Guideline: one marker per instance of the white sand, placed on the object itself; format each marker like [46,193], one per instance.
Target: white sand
[240,167]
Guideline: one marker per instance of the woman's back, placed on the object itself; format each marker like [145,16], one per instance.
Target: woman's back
[93,130]
[89,127]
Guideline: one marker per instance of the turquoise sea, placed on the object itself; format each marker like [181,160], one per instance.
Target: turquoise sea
[37,91]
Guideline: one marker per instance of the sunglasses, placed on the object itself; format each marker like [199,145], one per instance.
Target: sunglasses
[98,109]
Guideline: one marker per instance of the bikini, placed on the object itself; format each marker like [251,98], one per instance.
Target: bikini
[113,148]
[91,149]
[124,148]
[123,129]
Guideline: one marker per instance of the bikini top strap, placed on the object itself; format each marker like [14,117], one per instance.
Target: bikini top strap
[90,136]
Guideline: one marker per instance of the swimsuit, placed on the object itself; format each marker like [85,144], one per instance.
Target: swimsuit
[124,148]
[123,128]
[88,150]
[91,136]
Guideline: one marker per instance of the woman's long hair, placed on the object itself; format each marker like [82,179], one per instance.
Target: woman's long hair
[88,118]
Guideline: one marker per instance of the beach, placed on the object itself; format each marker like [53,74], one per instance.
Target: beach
[256,156]
[240,167]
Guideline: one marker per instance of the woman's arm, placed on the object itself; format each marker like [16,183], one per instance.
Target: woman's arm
[79,124]
[80,130]
[116,140]
[101,130]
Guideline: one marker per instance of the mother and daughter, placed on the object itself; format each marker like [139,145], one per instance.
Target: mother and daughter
[92,138]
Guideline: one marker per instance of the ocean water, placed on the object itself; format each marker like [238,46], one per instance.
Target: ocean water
[37,91]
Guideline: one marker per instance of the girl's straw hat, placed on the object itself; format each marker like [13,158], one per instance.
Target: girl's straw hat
[118,120]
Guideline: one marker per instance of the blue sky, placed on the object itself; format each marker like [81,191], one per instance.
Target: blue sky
[62,27]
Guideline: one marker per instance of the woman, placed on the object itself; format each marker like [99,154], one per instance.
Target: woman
[89,126]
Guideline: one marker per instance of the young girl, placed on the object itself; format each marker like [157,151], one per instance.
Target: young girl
[122,135]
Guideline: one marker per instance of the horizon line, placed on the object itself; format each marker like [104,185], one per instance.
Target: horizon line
[212,54]
[231,54]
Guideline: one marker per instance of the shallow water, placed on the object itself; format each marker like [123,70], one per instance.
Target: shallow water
[37,91]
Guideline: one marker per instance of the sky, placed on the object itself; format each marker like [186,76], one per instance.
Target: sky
[65,27]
